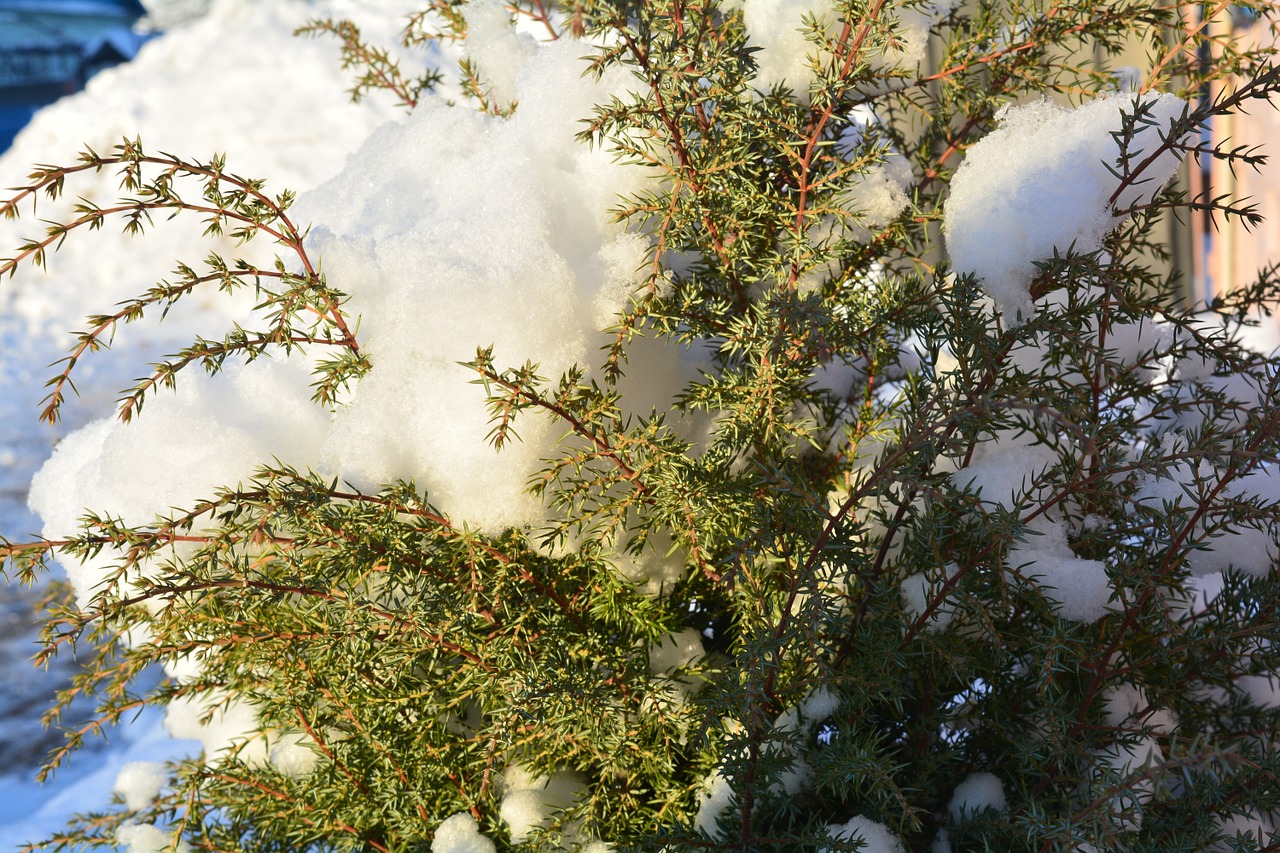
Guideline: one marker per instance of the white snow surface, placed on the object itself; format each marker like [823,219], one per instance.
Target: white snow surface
[454,230]
[921,589]
[714,800]
[147,838]
[1041,182]
[496,48]
[530,802]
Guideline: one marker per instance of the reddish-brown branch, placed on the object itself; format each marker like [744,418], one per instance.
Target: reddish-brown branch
[602,444]
[288,234]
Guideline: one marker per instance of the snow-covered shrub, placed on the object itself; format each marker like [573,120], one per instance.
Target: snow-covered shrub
[613,459]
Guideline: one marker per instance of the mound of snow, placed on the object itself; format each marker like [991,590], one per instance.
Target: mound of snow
[1041,182]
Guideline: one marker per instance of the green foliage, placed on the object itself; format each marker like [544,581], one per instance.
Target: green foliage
[418,660]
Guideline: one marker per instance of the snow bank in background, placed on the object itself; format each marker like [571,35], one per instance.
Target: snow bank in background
[911,34]
[238,82]
[1040,182]
[673,652]
[877,196]
[29,813]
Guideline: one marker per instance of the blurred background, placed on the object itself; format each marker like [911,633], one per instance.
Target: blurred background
[50,48]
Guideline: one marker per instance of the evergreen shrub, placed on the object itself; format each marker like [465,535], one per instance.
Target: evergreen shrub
[699,426]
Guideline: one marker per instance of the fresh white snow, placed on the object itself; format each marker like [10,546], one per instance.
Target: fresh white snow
[1041,182]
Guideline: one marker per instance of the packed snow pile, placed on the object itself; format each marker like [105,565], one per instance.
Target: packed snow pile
[457,230]
[450,230]
[1041,181]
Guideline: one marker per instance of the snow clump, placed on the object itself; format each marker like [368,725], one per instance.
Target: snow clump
[1127,705]
[456,230]
[461,834]
[139,783]
[875,837]
[1248,549]
[674,652]
[978,792]
[1078,587]
[1011,471]
[1041,182]
[919,590]
[715,799]
[147,838]
[496,48]
[530,802]
[877,196]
